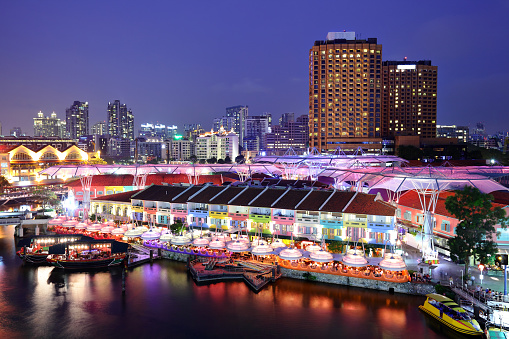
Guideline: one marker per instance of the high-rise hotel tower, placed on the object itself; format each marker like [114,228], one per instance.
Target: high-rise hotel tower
[409,100]
[345,79]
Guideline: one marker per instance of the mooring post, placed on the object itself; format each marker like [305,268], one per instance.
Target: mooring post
[123,281]
[151,256]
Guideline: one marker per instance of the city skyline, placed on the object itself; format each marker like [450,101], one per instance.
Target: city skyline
[181,64]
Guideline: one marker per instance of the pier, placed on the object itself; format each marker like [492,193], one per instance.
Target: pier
[255,275]
[139,255]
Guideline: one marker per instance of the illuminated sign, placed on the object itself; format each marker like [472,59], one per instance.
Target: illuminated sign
[406,67]
[178,137]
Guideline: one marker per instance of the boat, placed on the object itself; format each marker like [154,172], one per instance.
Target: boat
[450,314]
[34,250]
[495,332]
[88,254]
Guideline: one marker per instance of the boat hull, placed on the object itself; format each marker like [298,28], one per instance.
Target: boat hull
[87,264]
[36,259]
[462,330]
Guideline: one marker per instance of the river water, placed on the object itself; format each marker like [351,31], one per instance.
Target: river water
[162,301]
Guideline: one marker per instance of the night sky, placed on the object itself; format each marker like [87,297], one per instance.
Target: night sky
[178,62]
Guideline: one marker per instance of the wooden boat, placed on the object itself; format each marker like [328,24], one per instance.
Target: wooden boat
[34,250]
[88,254]
[450,314]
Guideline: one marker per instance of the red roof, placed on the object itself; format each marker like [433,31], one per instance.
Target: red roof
[411,199]
[157,179]
[366,204]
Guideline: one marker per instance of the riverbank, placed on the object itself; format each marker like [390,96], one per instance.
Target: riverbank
[405,288]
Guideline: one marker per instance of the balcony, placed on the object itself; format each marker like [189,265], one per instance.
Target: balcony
[337,222]
[218,214]
[259,217]
[355,223]
[200,212]
[379,226]
[151,210]
[137,208]
[164,209]
[283,218]
[307,218]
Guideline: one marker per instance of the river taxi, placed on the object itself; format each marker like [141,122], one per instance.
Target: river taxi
[493,332]
[88,254]
[450,314]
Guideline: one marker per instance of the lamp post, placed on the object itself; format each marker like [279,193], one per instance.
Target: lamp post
[481,268]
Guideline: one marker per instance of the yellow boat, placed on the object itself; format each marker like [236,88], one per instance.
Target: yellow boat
[450,314]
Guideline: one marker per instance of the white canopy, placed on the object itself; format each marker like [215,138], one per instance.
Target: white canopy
[217,245]
[354,258]
[262,250]
[290,254]
[201,242]
[237,246]
[180,240]
[321,256]
[392,262]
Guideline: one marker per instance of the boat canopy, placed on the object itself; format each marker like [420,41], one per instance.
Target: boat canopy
[116,246]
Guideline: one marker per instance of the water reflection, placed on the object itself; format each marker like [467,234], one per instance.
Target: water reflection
[161,300]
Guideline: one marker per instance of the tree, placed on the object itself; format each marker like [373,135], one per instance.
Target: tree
[476,231]
[177,227]
[239,159]
[409,152]
[227,160]
[220,161]
[193,159]
[3,183]
[212,160]
[47,198]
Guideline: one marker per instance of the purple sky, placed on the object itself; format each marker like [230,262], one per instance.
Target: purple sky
[178,62]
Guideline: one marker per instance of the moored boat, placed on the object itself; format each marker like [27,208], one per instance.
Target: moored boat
[495,332]
[88,254]
[450,314]
[34,250]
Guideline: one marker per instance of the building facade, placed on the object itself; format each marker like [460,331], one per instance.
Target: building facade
[256,127]
[453,131]
[76,120]
[49,126]
[238,115]
[217,145]
[345,79]
[120,121]
[409,100]
[100,128]
[293,134]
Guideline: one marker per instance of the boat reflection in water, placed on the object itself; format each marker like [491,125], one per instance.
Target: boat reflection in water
[450,314]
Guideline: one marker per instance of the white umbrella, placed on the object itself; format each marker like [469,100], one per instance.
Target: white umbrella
[290,254]
[237,246]
[321,256]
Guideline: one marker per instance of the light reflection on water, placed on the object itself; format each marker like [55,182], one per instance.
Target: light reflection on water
[163,301]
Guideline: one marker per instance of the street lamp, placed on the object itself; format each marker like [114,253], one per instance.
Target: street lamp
[481,268]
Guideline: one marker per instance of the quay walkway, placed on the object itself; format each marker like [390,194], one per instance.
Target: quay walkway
[255,275]
[139,255]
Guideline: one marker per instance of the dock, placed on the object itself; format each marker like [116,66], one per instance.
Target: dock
[139,255]
[255,275]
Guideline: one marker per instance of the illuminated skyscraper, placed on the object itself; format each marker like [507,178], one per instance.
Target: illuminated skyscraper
[409,99]
[120,121]
[345,93]
[48,126]
[76,118]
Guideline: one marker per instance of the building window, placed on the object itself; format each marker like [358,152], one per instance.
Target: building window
[408,216]
[446,226]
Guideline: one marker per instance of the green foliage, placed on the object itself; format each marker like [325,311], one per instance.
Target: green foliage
[177,227]
[212,160]
[309,276]
[193,159]
[445,290]
[240,159]
[47,198]
[409,152]
[335,247]
[227,160]
[4,183]
[220,161]
[153,161]
[476,231]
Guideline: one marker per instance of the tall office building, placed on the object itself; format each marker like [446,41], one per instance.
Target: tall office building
[16,132]
[256,128]
[76,118]
[100,128]
[48,126]
[345,93]
[409,99]
[120,121]
[238,115]
[294,134]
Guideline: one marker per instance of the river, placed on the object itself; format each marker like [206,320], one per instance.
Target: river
[162,301]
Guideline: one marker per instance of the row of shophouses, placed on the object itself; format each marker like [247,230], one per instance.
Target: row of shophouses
[307,213]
